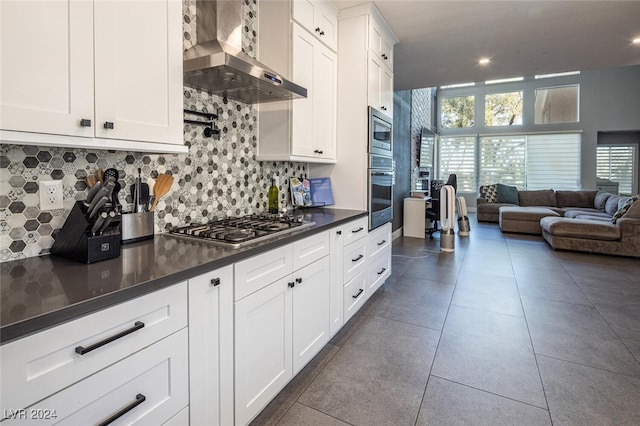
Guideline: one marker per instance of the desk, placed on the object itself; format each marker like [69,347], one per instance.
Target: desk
[414,220]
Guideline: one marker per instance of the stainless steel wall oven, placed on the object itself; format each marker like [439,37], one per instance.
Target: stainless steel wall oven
[381,169]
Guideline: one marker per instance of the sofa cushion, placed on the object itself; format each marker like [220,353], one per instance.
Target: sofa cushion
[489,193]
[533,214]
[580,228]
[575,198]
[606,218]
[545,197]
[611,206]
[624,208]
[507,194]
[601,199]
[575,212]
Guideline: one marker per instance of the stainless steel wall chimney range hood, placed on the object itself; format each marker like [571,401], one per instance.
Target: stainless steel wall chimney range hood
[218,65]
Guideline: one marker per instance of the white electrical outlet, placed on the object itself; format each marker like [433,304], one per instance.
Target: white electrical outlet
[51,195]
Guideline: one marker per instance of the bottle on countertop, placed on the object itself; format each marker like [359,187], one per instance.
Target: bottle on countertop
[273,197]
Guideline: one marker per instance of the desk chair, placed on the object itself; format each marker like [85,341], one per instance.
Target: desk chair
[433,213]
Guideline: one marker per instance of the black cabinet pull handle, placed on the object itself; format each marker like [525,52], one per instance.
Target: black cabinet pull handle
[291,285]
[81,350]
[298,280]
[357,230]
[357,258]
[317,151]
[355,296]
[85,122]
[339,232]
[215,282]
[318,29]
[140,398]
[108,125]
[382,242]
[321,33]
[382,272]
[384,108]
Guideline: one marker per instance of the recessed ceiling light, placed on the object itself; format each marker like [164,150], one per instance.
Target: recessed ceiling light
[636,40]
[484,61]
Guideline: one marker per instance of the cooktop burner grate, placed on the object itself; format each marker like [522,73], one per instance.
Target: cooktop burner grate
[240,231]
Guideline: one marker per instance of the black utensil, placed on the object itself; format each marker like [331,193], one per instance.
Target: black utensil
[114,197]
[111,173]
[144,197]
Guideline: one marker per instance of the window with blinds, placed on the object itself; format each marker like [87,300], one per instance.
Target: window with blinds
[553,161]
[502,159]
[616,163]
[458,155]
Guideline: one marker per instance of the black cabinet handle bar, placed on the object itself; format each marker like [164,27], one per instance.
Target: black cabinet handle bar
[357,258]
[382,242]
[140,398]
[355,296]
[82,350]
[357,230]
[382,271]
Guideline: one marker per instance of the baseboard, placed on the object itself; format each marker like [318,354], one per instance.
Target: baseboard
[396,234]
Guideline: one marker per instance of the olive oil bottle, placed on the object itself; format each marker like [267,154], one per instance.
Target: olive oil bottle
[273,197]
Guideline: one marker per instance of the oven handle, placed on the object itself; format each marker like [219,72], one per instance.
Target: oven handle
[381,173]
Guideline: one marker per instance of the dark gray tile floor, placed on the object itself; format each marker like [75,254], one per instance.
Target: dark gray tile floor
[502,331]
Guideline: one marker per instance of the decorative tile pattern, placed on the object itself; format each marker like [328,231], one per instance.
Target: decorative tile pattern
[421,116]
[217,178]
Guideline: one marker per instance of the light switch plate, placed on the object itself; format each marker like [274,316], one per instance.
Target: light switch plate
[51,195]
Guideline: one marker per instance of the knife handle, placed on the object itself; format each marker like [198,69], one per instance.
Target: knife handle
[92,192]
[99,222]
[107,222]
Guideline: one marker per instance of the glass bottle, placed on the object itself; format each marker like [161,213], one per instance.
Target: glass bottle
[273,197]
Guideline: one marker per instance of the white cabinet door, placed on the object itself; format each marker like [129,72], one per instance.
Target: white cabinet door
[326,24]
[47,66]
[310,312]
[375,81]
[314,118]
[355,259]
[310,249]
[386,91]
[304,55]
[138,65]
[263,350]
[336,247]
[211,347]
[355,295]
[325,88]
[378,271]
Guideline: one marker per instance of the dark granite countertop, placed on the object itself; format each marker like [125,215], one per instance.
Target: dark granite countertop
[41,292]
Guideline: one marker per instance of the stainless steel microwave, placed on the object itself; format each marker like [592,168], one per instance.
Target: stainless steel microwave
[380,133]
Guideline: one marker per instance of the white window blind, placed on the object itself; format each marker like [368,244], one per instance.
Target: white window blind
[553,161]
[502,160]
[615,163]
[458,155]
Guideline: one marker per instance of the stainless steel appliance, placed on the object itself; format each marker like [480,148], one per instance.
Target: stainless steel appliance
[380,133]
[218,65]
[381,169]
[241,231]
[380,197]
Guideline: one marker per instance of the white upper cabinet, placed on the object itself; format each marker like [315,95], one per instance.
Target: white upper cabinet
[320,18]
[302,129]
[91,74]
[381,41]
[314,118]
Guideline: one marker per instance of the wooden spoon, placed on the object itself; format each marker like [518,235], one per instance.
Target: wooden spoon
[160,189]
[91,180]
[100,175]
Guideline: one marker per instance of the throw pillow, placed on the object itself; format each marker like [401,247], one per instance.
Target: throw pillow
[601,199]
[489,193]
[507,194]
[623,209]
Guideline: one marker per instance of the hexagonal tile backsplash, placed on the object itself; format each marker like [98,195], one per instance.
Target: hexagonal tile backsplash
[217,178]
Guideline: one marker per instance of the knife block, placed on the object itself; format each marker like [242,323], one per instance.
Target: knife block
[74,240]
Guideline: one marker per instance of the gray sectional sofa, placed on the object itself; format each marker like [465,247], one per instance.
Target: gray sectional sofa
[589,221]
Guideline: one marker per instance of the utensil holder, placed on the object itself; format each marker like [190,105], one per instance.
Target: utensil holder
[74,240]
[137,227]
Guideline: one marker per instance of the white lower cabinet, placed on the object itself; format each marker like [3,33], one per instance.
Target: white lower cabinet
[147,388]
[378,271]
[39,365]
[263,348]
[336,292]
[355,295]
[211,348]
[282,325]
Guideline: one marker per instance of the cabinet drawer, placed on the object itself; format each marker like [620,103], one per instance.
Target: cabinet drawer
[153,383]
[378,271]
[355,259]
[310,249]
[259,271]
[355,230]
[355,294]
[378,240]
[39,365]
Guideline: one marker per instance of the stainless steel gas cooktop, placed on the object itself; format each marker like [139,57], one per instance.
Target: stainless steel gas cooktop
[240,231]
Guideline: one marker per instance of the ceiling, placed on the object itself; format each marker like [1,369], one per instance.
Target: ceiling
[441,41]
